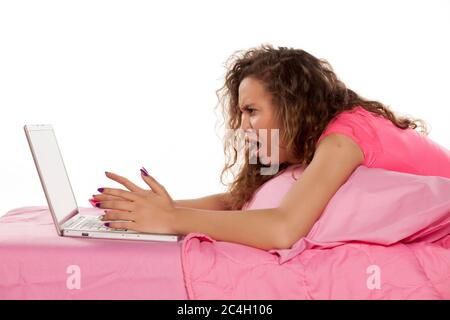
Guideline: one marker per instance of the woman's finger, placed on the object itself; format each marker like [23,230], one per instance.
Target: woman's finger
[115,211]
[116,205]
[102,197]
[153,184]
[128,225]
[118,215]
[124,181]
[128,195]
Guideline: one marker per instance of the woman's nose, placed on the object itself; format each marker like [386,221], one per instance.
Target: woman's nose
[245,122]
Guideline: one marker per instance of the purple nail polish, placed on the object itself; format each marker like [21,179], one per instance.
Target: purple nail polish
[144,173]
[100,189]
[143,168]
[106,224]
[98,204]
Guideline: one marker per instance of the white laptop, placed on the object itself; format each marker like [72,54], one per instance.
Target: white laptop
[60,198]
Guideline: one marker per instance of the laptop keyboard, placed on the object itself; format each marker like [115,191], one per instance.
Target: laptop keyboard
[70,224]
[93,224]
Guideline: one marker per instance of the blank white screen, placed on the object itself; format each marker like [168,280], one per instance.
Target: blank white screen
[52,172]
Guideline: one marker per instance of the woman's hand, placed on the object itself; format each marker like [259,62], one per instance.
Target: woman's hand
[143,210]
[152,183]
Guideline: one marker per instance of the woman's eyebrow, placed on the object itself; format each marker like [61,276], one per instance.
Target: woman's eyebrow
[246,106]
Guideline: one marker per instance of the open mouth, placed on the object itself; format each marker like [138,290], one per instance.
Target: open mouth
[254,146]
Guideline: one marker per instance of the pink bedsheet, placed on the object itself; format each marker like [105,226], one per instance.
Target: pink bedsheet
[221,270]
[35,263]
[384,235]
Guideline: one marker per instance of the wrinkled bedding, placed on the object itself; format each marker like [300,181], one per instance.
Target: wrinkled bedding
[35,263]
[220,270]
[384,235]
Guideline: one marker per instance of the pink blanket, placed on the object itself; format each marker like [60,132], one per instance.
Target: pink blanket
[35,263]
[384,235]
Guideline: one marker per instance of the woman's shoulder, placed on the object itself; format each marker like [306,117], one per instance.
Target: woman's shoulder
[361,126]
[356,111]
[357,122]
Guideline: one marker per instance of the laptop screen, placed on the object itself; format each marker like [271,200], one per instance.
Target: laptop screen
[51,169]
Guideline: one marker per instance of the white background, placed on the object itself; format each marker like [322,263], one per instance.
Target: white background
[132,83]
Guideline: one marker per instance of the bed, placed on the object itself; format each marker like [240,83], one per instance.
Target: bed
[384,235]
[36,263]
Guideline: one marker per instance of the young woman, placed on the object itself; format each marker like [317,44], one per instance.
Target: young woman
[324,127]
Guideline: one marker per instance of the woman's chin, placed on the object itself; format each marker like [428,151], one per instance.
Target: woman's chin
[260,157]
[267,161]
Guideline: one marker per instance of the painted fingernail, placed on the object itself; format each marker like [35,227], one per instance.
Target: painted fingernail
[143,168]
[106,224]
[100,189]
[98,204]
[144,173]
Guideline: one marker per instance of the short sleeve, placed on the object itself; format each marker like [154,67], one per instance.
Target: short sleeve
[359,125]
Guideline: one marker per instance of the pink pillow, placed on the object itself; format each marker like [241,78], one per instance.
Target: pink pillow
[374,205]
[269,195]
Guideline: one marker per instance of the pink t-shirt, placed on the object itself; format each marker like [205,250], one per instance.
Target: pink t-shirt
[386,146]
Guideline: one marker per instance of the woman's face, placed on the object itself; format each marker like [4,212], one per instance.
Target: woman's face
[258,112]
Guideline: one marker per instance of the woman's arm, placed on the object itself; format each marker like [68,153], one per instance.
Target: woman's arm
[336,158]
[212,202]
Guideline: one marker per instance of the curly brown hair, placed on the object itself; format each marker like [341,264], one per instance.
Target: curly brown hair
[306,94]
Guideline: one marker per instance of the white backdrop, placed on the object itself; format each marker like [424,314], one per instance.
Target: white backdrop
[132,83]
